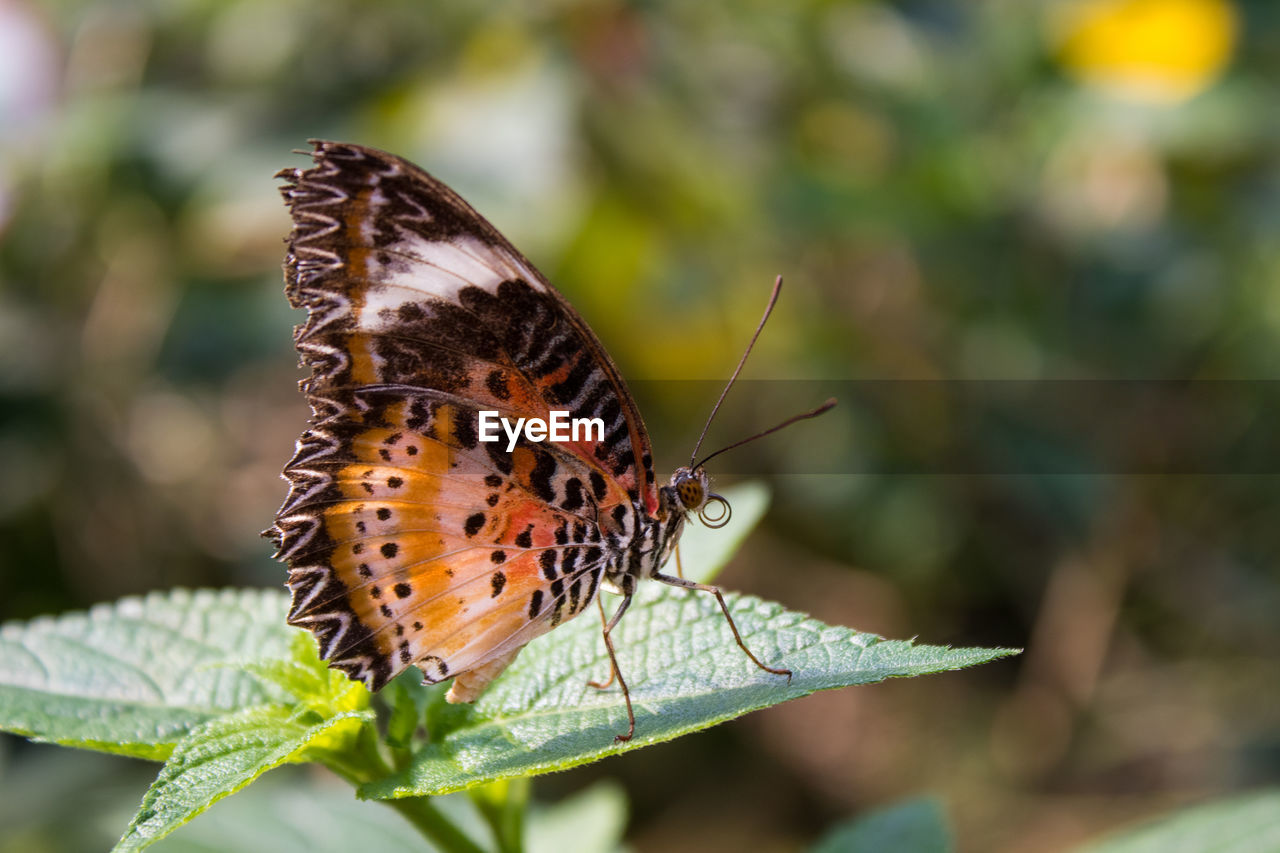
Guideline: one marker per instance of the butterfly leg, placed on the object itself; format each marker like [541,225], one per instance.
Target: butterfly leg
[704,587]
[604,624]
[613,663]
[679,565]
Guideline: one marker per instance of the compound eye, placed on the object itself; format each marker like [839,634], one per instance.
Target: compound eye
[690,492]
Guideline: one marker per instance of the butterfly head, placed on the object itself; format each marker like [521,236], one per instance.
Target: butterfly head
[692,490]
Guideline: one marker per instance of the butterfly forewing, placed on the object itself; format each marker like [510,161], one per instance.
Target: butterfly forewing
[409,540]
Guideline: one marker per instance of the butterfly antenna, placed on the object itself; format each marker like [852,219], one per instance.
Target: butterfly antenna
[768,309]
[803,416]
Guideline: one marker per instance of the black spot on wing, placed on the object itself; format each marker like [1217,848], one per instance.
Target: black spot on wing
[540,477]
[548,562]
[598,486]
[464,430]
[500,458]
[496,382]
[573,495]
[568,388]
[610,411]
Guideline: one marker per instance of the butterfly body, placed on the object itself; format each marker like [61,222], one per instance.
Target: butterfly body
[409,540]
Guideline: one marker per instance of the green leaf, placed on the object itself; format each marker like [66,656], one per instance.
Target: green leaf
[1243,824]
[135,676]
[916,826]
[685,674]
[222,756]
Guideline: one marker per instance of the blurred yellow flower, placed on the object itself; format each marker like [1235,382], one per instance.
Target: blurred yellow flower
[1150,50]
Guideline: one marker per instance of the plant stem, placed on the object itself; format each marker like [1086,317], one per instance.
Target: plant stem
[433,825]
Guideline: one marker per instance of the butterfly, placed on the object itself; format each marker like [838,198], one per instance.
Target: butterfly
[409,540]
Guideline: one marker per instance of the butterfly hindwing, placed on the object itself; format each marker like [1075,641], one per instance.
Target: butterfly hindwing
[409,540]
[419,546]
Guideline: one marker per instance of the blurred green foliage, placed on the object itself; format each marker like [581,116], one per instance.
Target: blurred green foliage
[954,190]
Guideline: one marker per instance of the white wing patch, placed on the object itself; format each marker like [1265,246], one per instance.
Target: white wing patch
[439,269]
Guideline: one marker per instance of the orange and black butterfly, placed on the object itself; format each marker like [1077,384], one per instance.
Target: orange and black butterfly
[409,540]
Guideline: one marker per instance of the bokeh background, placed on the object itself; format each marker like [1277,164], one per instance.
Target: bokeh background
[1039,193]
